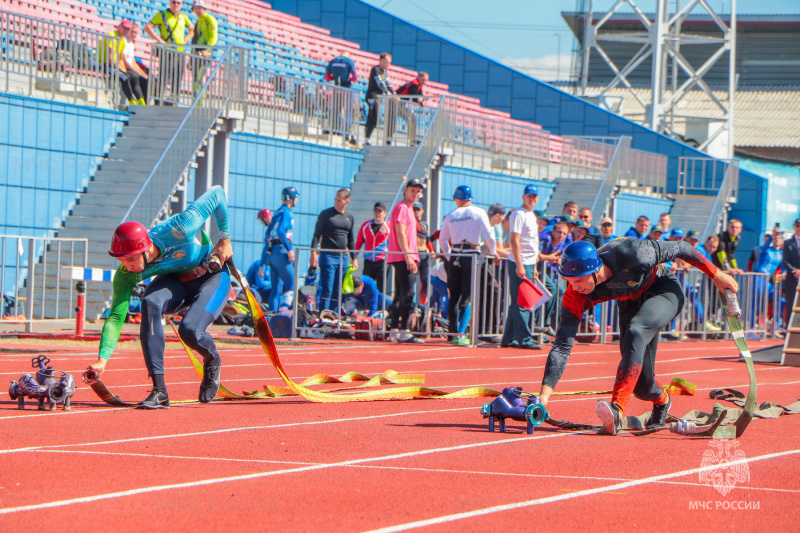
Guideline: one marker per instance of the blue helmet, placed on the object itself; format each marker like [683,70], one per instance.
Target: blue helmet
[580,259]
[463,192]
[289,193]
[531,189]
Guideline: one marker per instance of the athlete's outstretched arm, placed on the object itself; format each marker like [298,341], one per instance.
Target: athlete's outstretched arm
[124,282]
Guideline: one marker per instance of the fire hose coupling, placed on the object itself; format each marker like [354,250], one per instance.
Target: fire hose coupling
[515,404]
[80,287]
[732,303]
[89,376]
[55,386]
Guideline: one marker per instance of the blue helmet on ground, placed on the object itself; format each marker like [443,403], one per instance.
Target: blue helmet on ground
[289,193]
[463,192]
[580,259]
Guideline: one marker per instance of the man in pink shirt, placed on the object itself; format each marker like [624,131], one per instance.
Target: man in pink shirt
[403,238]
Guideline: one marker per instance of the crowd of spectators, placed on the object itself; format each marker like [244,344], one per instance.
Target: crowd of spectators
[514,246]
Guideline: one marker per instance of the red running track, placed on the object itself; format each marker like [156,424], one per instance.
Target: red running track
[287,464]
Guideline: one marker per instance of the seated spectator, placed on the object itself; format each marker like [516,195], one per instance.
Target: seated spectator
[122,54]
[640,229]
[258,278]
[606,230]
[341,70]
[366,296]
[656,232]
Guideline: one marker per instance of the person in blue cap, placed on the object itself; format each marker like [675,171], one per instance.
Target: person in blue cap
[524,233]
[649,296]
[280,253]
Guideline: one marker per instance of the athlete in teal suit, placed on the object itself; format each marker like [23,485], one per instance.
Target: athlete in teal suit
[180,263]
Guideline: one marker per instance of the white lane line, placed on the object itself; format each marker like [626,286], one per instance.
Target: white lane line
[173,457]
[571,495]
[213,481]
[229,430]
[401,468]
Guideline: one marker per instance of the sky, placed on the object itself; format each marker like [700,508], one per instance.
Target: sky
[531,35]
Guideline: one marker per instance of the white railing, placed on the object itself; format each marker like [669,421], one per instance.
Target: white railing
[222,93]
[289,107]
[728,191]
[48,60]
[30,277]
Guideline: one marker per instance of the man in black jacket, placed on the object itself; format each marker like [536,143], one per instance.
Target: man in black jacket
[334,231]
[791,266]
[378,85]
[725,258]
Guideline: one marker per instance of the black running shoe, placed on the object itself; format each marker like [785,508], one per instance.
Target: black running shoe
[610,416]
[209,387]
[658,417]
[412,340]
[158,399]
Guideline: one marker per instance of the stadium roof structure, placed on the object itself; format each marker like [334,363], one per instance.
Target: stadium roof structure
[767,96]
[767,47]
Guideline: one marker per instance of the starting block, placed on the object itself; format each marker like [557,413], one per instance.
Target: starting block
[515,404]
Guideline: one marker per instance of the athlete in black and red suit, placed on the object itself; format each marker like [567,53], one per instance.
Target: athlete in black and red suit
[648,295]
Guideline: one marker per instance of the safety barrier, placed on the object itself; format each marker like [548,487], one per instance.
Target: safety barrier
[47,60]
[221,94]
[702,316]
[290,107]
[33,288]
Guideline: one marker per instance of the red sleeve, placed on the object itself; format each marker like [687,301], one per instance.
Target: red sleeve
[575,302]
[328,77]
[360,236]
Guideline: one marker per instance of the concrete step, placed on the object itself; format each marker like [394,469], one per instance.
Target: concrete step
[378,167]
[140,143]
[141,156]
[364,179]
[407,151]
[79,222]
[150,112]
[94,235]
[94,204]
[146,132]
[130,188]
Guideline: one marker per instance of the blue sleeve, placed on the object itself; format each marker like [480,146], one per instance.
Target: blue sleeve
[630,233]
[213,201]
[265,250]
[283,227]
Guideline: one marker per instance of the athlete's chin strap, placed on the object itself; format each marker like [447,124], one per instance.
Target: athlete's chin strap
[594,277]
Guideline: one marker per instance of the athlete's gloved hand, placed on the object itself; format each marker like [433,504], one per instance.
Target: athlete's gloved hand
[99,366]
[223,250]
[723,281]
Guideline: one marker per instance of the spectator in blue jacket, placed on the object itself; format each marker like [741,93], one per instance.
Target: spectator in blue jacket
[366,296]
[341,70]
[640,229]
[258,278]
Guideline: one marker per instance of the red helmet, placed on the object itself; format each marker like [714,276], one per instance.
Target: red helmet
[265,213]
[130,238]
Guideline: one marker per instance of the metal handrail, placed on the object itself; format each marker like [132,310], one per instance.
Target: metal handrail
[616,168]
[200,103]
[309,109]
[427,150]
[57,60]
[721,203]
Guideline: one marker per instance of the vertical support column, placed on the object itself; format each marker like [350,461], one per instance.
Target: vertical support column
[202,175]
[434,202]
[731,76]
[658,35]
[29,294]
[588,41]
[220,165]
